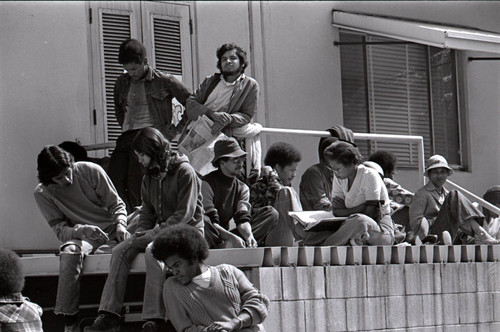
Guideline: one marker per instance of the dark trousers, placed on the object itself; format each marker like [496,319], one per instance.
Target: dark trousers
[455,216]
[125,171]
[263,221]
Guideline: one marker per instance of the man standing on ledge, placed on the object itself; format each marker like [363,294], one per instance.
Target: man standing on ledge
[143,98]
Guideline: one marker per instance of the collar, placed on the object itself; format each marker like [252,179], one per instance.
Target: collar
[149,74]
[328,172]
[237,81]
[12,298]
[148,77]
[429,186]
[224,178]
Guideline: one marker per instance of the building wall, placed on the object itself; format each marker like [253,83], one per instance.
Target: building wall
[409,297]
[482,79]
[44,99]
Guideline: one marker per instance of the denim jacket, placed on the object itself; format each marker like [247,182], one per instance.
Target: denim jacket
[160,89]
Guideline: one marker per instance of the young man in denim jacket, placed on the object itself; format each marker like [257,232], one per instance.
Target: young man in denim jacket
[143,98]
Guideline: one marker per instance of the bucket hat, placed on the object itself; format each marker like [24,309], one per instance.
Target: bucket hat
[437,161]
[227,148]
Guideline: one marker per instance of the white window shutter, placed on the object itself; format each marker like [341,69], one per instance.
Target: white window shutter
[115,29]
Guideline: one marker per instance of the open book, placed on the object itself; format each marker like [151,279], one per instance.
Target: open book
[317,220]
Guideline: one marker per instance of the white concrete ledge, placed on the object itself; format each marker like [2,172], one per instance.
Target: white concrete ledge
[48,264]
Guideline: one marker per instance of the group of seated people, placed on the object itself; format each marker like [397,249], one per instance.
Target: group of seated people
[81,205]
[174,215]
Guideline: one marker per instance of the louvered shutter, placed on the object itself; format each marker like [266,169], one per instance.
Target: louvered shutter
[168,56]
[354,95]
[167,32]
[398,95]
[115,29]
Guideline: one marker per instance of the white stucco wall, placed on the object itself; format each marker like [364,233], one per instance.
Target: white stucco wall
[44,99]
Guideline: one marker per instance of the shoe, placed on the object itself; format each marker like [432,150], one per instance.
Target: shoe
[483,237]
[430,239]
[105,323]
[446,238]
[72,328]
[150,326]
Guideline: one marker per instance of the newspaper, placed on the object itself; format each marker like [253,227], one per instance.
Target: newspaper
[316,219]
[198,145]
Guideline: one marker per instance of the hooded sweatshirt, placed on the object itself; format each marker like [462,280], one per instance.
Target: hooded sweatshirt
[175,198]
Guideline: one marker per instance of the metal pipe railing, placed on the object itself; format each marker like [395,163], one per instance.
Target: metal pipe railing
[322,133]
[474,198]
[419,140]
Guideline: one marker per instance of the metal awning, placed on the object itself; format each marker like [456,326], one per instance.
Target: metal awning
[419,32]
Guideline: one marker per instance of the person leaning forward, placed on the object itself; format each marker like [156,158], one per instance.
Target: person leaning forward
[83,209]
[171,194]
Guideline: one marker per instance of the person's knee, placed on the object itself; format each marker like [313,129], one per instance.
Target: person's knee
[71,249]
[271,213]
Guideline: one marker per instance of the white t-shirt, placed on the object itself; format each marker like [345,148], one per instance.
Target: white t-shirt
[367,186]
[219,98]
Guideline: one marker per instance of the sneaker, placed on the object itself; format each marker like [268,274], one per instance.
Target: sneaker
[105,323]
[72,328]
[150,326]
[446,238]
[430,239]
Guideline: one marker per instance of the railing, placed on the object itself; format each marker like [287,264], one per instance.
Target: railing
[474,198]
[418,140]
[364,136]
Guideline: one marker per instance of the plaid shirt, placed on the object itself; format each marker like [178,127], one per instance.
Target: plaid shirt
[263,192]
[18,314]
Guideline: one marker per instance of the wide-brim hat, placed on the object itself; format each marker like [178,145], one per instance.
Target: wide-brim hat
[492,195]
[228,148]
[437,161]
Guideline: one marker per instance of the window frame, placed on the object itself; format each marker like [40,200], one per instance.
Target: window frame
[460,95]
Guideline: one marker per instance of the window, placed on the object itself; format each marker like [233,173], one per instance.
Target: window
[403,88]
[164,30]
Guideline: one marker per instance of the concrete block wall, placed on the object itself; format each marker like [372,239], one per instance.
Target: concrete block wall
[461,296]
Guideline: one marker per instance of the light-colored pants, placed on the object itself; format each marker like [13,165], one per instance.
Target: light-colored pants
[363,229]
[113,293]
[72,254]
[283,234]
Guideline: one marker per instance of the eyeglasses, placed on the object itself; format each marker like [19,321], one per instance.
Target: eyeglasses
[235,161]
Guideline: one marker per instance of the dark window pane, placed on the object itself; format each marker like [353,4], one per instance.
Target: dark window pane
[444,104]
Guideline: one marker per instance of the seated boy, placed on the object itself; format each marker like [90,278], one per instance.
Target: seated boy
[17,313]
[81,205]
[274,189]
[225,197]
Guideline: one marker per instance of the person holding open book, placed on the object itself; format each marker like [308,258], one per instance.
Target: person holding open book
[359,193]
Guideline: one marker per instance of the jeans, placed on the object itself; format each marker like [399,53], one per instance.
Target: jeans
[153,305]
[113,293]
[263,220]
[455,215]
[363,229]
[72,254]
[283,234]
[125,171]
